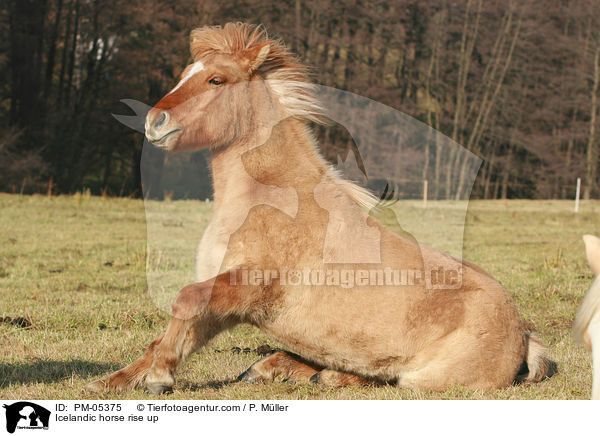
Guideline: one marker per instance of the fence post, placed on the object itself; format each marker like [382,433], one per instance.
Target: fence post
[577,193]
[425,194]
[49,192]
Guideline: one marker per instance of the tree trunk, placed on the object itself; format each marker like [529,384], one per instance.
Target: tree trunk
[506,173]
[52,50]
[488,176]
[591,164]
[298,19]
[72,55]
[65,51]
[26,21]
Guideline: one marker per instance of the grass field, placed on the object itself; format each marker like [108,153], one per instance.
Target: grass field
[75,267]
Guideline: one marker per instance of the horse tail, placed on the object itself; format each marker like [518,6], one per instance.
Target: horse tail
[539,366]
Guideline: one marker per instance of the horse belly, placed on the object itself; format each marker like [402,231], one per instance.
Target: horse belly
[453,337]
[345,333]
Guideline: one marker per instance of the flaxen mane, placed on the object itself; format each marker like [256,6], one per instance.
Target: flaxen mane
[287,77]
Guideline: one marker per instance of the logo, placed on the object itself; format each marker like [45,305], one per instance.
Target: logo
[26,415]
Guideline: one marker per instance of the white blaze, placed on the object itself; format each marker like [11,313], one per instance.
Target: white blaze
[196,68]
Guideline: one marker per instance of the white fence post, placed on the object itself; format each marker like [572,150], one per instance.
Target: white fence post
[577,193]
[425,194]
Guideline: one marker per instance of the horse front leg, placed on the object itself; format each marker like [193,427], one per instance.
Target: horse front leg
[130,377]
[200,312]
[198,316]
[182,338]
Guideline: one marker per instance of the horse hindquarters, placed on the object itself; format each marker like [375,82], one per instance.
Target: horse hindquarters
[484,352]
[422,339]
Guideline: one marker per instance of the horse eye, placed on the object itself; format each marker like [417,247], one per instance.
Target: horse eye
[216,81]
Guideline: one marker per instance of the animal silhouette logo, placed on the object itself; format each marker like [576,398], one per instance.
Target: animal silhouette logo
[387,148]
[26,415]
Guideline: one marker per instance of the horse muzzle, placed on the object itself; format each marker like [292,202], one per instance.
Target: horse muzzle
[160,130]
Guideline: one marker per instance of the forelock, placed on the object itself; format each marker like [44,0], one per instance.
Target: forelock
[287,76]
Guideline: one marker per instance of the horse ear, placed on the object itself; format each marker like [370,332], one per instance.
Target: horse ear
[592,250]
[256,56]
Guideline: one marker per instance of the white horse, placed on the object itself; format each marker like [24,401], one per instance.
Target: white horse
[587,323]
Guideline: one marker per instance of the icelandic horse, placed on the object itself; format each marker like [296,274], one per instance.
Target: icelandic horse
[249,101]
[586,327]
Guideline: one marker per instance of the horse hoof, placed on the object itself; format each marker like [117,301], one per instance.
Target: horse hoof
[247,378]
[96,387]
[315,378]
[159,388]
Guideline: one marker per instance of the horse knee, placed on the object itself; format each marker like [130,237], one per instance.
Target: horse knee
[191,301]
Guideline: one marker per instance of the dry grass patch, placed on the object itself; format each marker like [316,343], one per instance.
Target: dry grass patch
[75,267]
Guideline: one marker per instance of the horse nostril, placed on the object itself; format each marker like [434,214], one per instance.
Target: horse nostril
[162,119]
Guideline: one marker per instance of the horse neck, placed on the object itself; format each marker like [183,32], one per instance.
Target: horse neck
[287,158]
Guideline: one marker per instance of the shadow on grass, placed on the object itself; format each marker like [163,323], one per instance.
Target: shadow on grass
[217,384]
[50,371]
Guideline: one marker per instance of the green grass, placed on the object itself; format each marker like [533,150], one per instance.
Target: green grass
[75,266]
